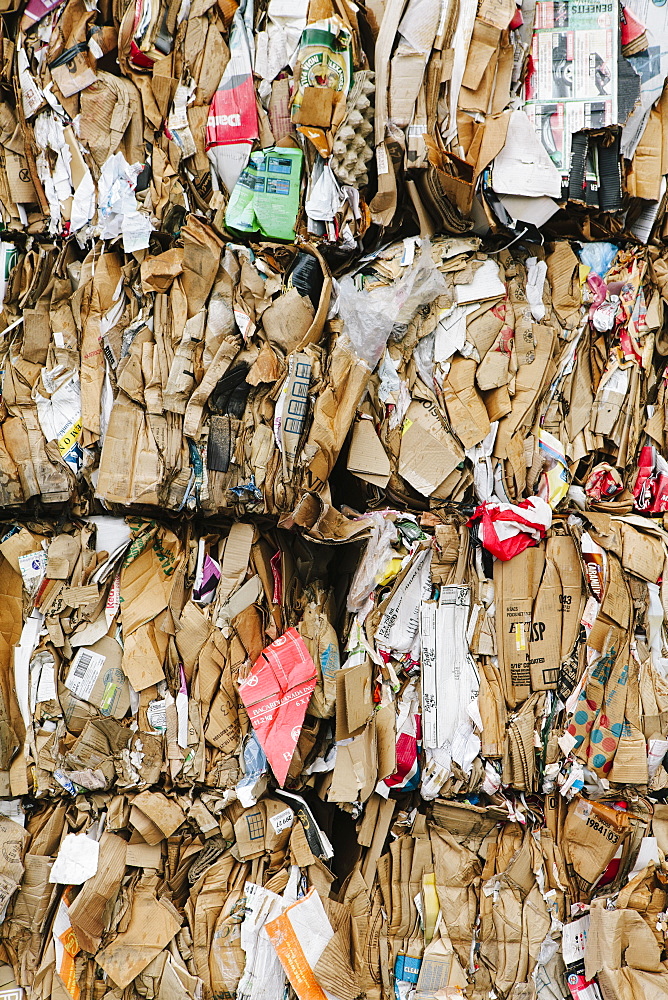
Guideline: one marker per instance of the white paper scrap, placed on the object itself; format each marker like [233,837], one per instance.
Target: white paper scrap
[77,860]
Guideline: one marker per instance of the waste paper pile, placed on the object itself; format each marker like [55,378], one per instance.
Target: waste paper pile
[327,118]
[333,500]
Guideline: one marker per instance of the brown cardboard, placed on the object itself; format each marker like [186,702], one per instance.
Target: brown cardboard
[194,630]
[428,453]
[517,582]
[593,832]
[143,655]
[354,702]
[546,631]
[562,264]
[557,612]
[465,407]
[356,768]
[289,318]
[386,739]
[235,559]
[616,602]
[367,457]
[17,544]
[642,554]
[13,843]
[617,934]
[87,912]
[563,552]
[164,813]
[264,827]
[152,925]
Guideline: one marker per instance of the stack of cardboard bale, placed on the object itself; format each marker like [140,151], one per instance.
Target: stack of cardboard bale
[333,500]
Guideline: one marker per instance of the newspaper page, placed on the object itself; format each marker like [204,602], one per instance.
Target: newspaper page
[572,79]
[650,62]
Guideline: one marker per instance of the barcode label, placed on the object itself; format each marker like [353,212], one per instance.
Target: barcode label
[82,666]
[84,672]
[381,160]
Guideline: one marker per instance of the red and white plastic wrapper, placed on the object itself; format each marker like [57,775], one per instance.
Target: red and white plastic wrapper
[276,694]
[603,483]
[574,943]
[581,988]
[506,529]
[651,487]
[231,126]
[35,10]
[300,935]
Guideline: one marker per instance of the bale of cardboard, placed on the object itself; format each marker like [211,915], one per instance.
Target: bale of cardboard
[333,500]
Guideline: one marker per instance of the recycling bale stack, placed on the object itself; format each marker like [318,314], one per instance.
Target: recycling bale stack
[333,500]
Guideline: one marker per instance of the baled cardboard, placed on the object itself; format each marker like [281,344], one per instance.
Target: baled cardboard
[219,399]
[152,925]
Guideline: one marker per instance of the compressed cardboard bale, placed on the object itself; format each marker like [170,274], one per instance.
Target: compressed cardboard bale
[333,437]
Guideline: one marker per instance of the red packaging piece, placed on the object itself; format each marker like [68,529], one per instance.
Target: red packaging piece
[276,694]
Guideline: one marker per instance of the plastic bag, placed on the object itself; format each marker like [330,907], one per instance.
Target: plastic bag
[370,316]
[377,554]
[421,284]
[59,414]
[598,256]
[507,529]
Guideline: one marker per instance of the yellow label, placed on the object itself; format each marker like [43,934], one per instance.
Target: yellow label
[520,642]
[70,437]
[407,424]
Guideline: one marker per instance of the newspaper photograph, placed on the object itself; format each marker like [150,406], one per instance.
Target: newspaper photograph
[572,79]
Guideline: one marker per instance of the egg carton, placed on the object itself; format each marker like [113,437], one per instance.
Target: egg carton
[353,147]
